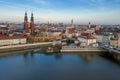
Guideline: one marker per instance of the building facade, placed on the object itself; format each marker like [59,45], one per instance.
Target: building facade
[119,44]
[114,43]
[87,39]
[44,39]
[107,37]
[5,41]
[99,38]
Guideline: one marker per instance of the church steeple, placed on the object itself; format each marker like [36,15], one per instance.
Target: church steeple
[26,22]
[32,24]
[72,22]
[89,25]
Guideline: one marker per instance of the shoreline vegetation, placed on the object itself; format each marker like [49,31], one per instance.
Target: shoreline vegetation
[51,48]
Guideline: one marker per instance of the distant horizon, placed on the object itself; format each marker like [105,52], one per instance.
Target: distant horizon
[57,11]
[6,22]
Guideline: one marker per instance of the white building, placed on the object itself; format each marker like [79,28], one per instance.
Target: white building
[56,42]
[119,44]
[70,32]
[4,41]
[107,37]
[99,38]
[87,39]
[55,33]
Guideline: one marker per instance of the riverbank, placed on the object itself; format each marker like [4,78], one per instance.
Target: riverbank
[39,45]
[78,49]
[23,46]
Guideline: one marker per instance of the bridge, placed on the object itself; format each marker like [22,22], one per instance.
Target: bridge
[80,49]
[111,49]
[114,54]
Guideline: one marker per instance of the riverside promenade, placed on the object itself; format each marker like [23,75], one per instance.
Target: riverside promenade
[79,49]
[22,46]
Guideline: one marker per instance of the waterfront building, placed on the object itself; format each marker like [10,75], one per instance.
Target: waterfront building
[44,38]
[107,37]
[13,40]
[119,44]
[114,42]
[99,37]
[56,42]
[86,39]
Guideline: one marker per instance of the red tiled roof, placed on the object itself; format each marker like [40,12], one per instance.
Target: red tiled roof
[63,31]
[87,36]
[1,35]
[92,26]
[11,37]
[71,30]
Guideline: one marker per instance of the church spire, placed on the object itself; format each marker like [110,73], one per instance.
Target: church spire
[32,24]
[26,22]
[72,22]
[89,25]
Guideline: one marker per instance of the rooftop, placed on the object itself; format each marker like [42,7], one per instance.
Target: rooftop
[87,36]
[11,37]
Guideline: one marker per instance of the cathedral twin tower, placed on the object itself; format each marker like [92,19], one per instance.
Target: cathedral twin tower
[29,27]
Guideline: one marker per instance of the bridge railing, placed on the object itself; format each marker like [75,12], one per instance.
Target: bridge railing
[76,48]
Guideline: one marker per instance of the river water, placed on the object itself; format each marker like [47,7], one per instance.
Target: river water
[35,65]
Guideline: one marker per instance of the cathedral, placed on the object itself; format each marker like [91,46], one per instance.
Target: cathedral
[29,27]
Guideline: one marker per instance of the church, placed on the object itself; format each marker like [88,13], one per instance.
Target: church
[29,32]
[28,28]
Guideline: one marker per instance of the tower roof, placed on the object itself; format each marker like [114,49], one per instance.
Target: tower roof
[25,13]
[32,14]
[72,22]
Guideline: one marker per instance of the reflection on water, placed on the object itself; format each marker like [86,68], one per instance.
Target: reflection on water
[31,65]
[115,57]
[88,57]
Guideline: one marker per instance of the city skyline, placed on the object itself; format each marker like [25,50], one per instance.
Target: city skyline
[81,11]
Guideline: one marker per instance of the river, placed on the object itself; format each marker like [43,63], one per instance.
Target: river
[35,65]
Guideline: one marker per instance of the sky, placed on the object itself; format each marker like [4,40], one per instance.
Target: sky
[55,11]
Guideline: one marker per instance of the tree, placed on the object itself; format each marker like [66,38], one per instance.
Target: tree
[38,33]
[0,32]
[73,36]
[46,40]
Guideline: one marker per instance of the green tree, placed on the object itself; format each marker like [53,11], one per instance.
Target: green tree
[38,33]
[73,36]
[46,40]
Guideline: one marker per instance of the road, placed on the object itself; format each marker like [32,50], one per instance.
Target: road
[111,49]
